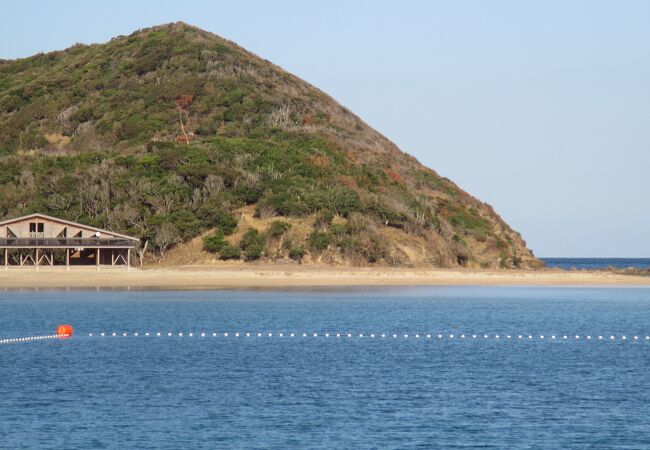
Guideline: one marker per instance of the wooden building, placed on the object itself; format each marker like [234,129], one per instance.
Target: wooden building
[40,240]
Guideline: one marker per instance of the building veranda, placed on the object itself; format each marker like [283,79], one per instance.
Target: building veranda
[39,240]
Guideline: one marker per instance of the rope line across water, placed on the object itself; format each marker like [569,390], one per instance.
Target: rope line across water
[425,336]
[414,336]
[33,338]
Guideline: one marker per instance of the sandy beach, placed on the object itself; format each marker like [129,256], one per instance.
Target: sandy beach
[288,276]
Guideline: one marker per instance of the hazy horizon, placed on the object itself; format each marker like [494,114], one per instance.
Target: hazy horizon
[540,109]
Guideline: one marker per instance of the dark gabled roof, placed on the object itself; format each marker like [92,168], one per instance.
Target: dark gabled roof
[65,222]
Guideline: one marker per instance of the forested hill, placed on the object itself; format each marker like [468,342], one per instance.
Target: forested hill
[174,134]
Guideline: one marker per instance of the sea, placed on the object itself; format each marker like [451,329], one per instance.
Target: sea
[597,263]
[420,367]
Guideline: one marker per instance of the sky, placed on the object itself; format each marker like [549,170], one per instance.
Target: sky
[539,108]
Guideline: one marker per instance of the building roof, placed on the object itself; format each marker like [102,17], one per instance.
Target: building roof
[65,222]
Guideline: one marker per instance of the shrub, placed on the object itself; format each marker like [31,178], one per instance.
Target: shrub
[324,219]
[338,229]
[296,252]
[367,246]
[253,243]
[227,223]
[215,242]
[230,252]
[319,241]
[278,228]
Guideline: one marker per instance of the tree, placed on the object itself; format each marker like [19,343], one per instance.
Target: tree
[142,250]
[166,236]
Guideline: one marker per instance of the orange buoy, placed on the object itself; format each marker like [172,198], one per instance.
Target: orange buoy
[64,331]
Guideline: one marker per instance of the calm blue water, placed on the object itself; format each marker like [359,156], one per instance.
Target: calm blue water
[187,393]
[597,263]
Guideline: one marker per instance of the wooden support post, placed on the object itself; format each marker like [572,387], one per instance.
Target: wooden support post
[37,258]
[97,259]
[6,259]
[128,259]
[67,259]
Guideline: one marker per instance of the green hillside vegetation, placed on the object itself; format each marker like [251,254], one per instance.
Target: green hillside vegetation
[167,133]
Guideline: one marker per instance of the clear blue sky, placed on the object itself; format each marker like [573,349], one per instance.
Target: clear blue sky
[540,108]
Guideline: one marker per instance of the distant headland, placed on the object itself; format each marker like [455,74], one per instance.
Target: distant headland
[203,151]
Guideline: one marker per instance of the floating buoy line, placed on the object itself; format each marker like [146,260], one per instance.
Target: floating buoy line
[65,331]
[421,336]
[31,338]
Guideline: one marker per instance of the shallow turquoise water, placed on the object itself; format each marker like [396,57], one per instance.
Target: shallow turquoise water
[327,392]
[597,263]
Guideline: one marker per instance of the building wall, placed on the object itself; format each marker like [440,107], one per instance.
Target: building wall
[51,229]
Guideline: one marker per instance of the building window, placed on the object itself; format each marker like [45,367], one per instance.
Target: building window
[36,229]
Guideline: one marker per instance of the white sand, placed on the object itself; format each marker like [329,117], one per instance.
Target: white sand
[287,275]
